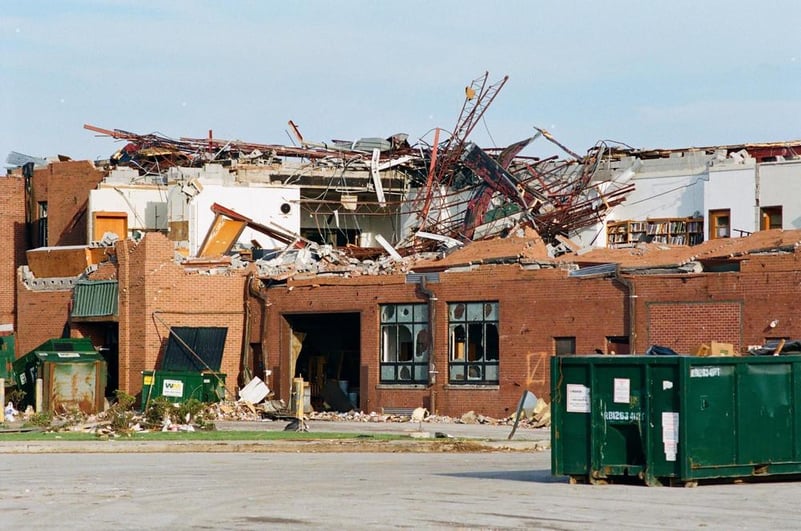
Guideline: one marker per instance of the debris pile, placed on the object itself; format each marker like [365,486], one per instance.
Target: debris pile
[316,259]
[541,417]
[445,193]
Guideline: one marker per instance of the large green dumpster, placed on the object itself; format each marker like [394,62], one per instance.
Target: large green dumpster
[73,376]
[180,386]
[675,419]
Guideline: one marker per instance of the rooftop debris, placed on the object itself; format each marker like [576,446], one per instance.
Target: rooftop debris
[451,189]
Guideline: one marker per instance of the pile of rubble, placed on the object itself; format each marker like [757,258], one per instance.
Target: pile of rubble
[538,417]
[161,415]
[315,259]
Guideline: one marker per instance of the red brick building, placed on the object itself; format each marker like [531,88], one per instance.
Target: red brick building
[469,332]
[331,328]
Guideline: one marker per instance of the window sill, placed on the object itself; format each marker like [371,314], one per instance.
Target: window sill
[397,386]
[473,387]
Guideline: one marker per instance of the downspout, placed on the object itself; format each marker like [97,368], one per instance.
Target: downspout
[246,374]
[257,293]
[432,368]
[629,285]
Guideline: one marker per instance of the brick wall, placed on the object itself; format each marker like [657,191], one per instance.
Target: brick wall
[534,307]
[679,311]
[12,235]
[156,293]
[683,311]
[41,315]
[685,326]
[67,194]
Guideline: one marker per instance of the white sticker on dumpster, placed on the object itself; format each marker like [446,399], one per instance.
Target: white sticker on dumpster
[622,390]
[578,398]
[704,372]
[174,388]
[670,434]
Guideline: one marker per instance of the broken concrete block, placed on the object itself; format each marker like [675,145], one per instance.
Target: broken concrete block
[419,414]
[469,418]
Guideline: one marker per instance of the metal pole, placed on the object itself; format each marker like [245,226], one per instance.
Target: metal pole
[39,387]
[299,398]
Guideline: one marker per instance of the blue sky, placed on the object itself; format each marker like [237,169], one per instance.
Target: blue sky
[647,73]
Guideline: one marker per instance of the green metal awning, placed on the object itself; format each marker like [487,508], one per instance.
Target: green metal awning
[95,300]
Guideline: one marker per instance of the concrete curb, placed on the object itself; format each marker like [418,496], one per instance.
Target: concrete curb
[282,446]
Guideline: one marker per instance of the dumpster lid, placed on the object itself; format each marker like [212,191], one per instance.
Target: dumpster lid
[62,350]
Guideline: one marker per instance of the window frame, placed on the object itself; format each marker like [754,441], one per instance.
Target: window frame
[412,371]
[558,340]
[768,214]
[715,226]
[473,343]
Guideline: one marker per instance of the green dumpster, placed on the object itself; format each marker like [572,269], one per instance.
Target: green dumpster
[6,358]
[675,419]
[73,376]
[180,386]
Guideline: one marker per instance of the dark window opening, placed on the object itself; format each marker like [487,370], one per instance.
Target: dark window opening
[405,343]
[564,345]
[473,343]
[617,345]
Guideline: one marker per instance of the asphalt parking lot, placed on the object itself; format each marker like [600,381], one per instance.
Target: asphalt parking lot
[497,490]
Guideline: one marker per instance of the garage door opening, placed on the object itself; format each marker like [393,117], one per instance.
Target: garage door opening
[327,351]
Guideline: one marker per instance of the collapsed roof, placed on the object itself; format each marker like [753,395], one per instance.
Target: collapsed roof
[451,190]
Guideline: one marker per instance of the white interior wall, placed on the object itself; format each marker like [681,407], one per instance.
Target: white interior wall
[146,206]
[780,184]
[261,203]
[732,186]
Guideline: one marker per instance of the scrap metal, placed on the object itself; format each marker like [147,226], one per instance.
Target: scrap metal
[453,188]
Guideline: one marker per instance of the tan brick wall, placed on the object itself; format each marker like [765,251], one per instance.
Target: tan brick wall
[41,315]
[156,293]
[67,194]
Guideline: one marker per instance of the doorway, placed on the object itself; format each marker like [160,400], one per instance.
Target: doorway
[327,353]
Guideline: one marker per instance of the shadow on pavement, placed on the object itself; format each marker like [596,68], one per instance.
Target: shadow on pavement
[535,476]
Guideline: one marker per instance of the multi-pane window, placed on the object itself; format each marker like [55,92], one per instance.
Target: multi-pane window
[405,343]
[473,343]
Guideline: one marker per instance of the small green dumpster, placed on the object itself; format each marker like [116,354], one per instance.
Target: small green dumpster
[73,376]
[180,386]
[675,419]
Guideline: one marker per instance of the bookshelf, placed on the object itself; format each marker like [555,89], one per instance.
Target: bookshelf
[672,231]
[625,232]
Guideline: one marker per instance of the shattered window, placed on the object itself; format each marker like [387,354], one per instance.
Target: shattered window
[405,343]
[473,343]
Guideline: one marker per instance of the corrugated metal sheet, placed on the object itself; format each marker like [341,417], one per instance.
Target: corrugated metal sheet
[92,299]
[194,348]
[594,271]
